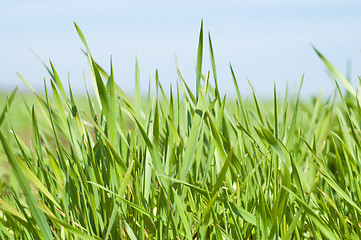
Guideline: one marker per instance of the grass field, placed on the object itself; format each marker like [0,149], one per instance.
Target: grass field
[178,164]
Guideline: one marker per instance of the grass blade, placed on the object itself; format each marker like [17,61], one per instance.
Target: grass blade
[336,73]
[34,207]
[199,61]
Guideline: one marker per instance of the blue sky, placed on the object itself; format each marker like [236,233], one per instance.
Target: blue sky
[265,41]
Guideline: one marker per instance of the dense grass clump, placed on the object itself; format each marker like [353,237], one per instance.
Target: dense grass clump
[182,166]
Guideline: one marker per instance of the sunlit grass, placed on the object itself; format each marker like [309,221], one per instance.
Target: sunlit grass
[180,165]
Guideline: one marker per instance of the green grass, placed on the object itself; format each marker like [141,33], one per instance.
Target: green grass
[180,165]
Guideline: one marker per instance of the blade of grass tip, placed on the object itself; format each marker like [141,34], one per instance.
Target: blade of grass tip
[352,126]
[316,107]
[43,106]
[44,64]
[36,135]
[58,81]
[156,83]
[25,82]
[165,102]
[171,102]
[181,83]
[73,107]
[273,142]
[90,101]
[59,105]
[213,65]
[33,205]
[211,93]
[293,126]
[259,112]
[111,99]
[74,111]
[93,78]
[240,99]
[178,110]
[192,100]
[149,106]
[336,73]
[173,129]
[284,115]
[102,92]
[7,105]
[199,60]
[101,70]
[12,95]
[81,35]
[235,83]
[156,123]
[275,110]
[340,94]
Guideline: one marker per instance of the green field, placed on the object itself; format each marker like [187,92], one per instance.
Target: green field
[179,164]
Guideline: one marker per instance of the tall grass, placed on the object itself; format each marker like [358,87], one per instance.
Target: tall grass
[183,165]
